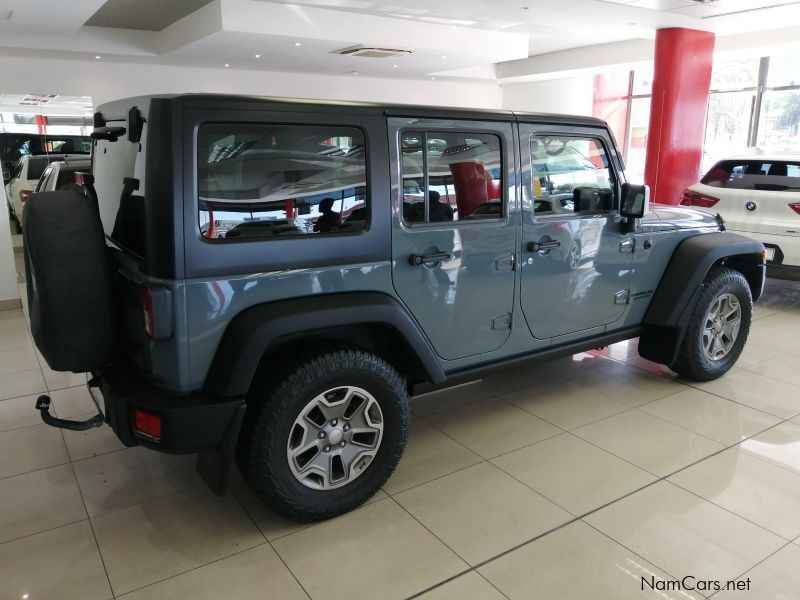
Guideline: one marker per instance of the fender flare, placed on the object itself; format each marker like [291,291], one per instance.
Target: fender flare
[670,308]
[253,331]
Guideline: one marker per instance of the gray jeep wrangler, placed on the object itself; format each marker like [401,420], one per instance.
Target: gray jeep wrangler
[266,282]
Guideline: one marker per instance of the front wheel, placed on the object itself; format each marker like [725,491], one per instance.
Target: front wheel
[718,327]
[324,436]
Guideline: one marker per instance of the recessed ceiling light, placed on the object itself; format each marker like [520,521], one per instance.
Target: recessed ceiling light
[98,57]
[353,73]
[394,66]
[444,55]
[433,78]
[258,56]
[298,44]
[227,65]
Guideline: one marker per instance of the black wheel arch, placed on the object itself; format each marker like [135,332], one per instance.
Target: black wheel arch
[665,320]
[371,321]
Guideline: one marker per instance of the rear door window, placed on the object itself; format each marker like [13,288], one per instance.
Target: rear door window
[755,174]
[451,176]
[268,181]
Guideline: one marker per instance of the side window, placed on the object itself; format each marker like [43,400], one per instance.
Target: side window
[267,181]
[570,175]
[451,176]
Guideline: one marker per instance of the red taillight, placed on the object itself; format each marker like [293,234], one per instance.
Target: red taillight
[692,198]
[147,311]
[24,195]
[147,424]
[795,206]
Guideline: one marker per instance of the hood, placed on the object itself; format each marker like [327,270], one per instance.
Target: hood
[665,217]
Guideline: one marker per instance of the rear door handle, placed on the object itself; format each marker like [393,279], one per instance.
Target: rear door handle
[537,246]
[420,259]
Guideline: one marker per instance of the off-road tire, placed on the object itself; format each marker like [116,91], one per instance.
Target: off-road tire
[692,362]
[277,399]
[68,278]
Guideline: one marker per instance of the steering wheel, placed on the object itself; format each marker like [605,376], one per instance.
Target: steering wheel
[554,146]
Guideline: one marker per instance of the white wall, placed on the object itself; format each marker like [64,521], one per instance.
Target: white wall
[569,95]
[106,80]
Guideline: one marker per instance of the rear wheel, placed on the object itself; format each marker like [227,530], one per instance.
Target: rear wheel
[324,437]
[718,326]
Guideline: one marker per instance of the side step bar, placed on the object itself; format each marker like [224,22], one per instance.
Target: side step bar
[43,406]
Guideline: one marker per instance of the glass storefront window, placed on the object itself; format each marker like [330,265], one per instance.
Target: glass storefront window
[779,125]
[643,81]
[637,140]
[735,74]
[784,70]
[727,126]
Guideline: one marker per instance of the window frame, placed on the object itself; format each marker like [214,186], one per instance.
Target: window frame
[266,123]
[615,183]
[427,224]
[43,180]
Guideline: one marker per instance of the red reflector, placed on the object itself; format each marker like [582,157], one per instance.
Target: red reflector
[24,195]
[692,198]
[147,424]
[795,206]
[147,311]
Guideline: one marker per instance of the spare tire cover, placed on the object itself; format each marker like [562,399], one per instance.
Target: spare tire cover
[69,281]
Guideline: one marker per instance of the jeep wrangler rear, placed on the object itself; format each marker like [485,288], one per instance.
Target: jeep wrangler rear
[266,282]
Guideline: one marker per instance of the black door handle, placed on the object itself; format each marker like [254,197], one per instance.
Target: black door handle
[419,259]
[537,246]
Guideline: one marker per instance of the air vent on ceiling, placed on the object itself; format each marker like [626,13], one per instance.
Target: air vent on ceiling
[365,52]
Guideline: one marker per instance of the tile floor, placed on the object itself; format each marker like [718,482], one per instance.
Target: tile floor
[576,479]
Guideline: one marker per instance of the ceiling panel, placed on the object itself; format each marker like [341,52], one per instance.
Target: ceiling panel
[147,15]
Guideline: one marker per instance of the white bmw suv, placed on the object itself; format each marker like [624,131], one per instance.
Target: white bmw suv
[759,197]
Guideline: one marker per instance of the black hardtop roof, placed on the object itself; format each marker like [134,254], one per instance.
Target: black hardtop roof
[120,108]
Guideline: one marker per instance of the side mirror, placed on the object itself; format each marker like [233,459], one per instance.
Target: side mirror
[635,200]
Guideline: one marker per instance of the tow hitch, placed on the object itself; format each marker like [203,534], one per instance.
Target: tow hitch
[43,406]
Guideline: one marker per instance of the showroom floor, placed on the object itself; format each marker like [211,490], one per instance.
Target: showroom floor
[575,479]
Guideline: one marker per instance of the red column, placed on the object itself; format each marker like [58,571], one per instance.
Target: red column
[681,83]
[610,103]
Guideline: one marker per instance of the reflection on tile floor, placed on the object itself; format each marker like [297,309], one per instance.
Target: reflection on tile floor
[598,476]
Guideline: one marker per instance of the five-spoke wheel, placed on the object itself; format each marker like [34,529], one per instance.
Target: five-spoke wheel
[722,324]
[335,437]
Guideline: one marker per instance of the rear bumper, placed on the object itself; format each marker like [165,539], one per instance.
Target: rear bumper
[189,423]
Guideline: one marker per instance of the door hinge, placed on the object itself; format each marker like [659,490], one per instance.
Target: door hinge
[627,245]
[506,263]
[503,322]
[622,297]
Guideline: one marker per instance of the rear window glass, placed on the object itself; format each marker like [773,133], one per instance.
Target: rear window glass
[267,181]
[15,145]
[119,172]
[755,174]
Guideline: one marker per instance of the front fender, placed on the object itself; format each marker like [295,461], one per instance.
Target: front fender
[670,309]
